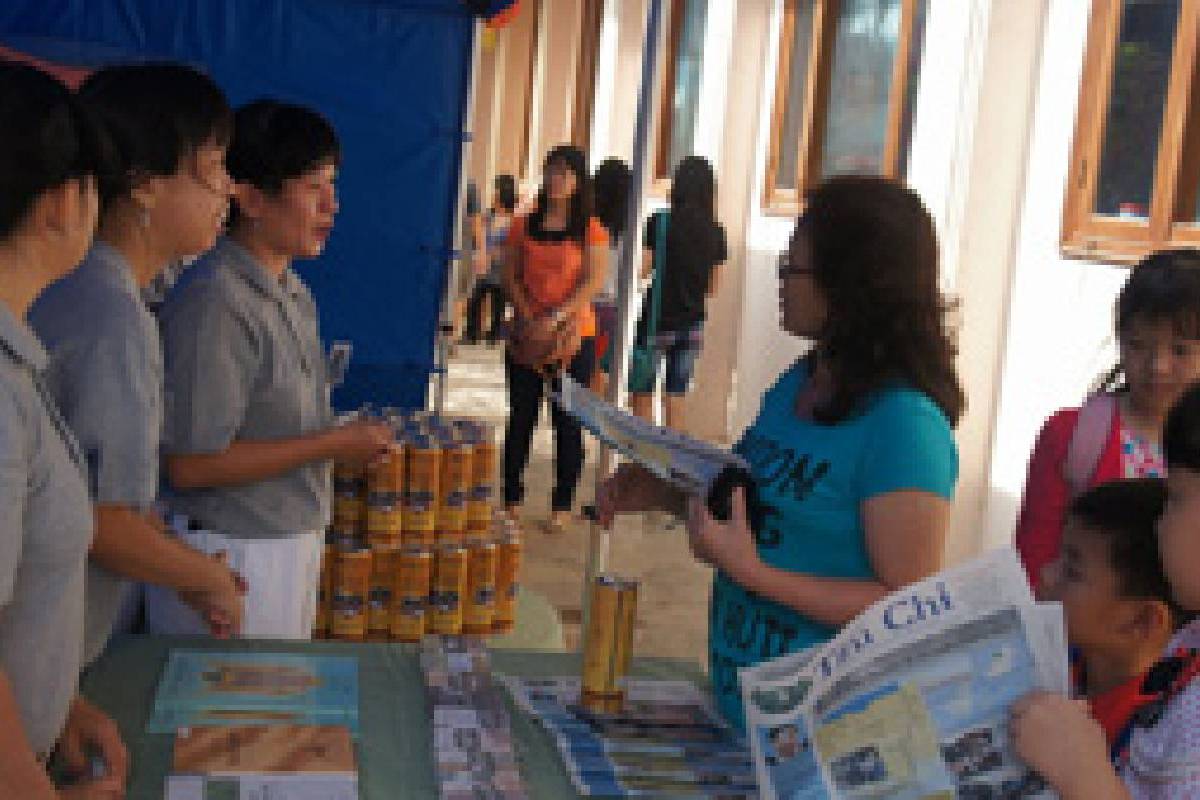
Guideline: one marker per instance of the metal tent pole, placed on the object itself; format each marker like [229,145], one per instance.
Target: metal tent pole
[457,262]
[597,552]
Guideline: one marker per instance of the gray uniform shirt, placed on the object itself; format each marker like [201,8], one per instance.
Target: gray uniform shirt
[244,362]
[45,533]
[106,376]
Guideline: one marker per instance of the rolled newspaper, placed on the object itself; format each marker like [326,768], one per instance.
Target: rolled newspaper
[696,467]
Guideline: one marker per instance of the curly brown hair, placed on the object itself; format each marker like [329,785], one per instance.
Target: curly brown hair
[875,260]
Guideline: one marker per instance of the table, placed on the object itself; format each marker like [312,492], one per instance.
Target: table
[395,751]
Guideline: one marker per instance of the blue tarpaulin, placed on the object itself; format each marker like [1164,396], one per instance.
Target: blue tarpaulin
[392,76]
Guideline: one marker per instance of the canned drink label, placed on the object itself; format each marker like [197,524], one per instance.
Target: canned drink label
[384,500]
[347,603]
[455,499]
[413,605]
[420,501]
[445,602]
[485,596]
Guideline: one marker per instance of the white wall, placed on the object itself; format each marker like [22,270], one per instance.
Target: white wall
[1060,316]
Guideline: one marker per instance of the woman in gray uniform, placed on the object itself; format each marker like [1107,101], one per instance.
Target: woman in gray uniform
[249,434]
[164,201]
[49,157]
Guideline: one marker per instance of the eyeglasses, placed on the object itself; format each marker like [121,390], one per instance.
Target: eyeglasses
[787,268]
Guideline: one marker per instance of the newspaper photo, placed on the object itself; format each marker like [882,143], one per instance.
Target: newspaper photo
[911,700]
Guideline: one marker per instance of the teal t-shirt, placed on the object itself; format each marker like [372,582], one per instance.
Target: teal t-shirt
[811,481]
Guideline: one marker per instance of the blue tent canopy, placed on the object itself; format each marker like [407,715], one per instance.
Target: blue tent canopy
[392,76]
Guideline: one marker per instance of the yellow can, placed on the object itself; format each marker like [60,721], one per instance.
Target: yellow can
[411,601]
[385,475]
[608,645]
[385,523]
[454,487]
[351,585]
[479,611]
[381,593]
[508,568]
[422,497]
[349,496]
[483,476]
[449,586]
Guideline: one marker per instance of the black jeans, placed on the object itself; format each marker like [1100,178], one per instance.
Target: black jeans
[526,388]
[485,288]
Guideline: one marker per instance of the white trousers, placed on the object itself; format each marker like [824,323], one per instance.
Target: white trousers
[281,576]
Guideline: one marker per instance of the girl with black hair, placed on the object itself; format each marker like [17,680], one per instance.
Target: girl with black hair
[686,278]
[165,201]
[611,183]
[488,287]
[51,153]
[852,453]
[250,436]
[554,266]
[1115,434]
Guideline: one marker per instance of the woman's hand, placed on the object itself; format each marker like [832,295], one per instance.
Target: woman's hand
[89,730]
[632,489]
[1058,738]
[727,546]
[222,603]
[359,441]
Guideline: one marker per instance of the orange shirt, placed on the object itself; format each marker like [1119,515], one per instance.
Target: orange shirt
[550,270]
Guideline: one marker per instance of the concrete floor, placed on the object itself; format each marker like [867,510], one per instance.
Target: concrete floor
[673,598]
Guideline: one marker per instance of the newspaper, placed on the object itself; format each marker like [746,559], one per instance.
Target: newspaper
[668,742]
[473,749]
[694,466]
[911,700]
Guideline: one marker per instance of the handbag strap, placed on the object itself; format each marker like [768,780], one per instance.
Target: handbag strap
[657,275]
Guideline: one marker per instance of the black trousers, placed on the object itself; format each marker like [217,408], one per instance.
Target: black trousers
[482,290]
[526,388]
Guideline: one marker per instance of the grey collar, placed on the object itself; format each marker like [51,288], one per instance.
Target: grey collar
[253,273]
[104,256]
[21,344]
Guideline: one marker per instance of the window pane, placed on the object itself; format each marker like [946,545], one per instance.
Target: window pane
[797,96]
[910,91]
[1141,70]
[687,82]
[864,54]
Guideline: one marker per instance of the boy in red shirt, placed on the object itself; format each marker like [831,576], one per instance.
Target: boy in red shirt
[1120,614]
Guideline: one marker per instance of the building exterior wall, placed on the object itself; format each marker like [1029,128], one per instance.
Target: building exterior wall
[990,147]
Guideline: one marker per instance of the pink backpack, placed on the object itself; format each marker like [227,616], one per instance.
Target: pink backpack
[1092,429]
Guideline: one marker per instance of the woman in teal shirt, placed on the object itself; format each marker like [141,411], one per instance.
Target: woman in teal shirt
[852,451]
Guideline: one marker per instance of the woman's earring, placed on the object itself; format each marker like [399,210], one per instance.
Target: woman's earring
[144,217]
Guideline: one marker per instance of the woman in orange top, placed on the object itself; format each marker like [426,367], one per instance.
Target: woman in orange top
[554,268]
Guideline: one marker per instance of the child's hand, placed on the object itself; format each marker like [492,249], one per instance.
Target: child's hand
[1057,738]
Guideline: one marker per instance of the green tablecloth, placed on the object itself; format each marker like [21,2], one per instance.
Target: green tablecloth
[395,758]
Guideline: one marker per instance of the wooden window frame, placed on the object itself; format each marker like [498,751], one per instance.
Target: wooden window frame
[666,116]
[591,18]
[1110,239]
[810,143]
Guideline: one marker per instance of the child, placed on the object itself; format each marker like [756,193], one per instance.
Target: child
[1115,434]
[1120,614]
[1058,738]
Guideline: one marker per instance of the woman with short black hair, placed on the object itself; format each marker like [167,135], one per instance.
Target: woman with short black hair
[164,201]
[249,430]
[51,152]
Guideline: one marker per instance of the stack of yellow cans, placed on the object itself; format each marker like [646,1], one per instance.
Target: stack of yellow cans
[415,547]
